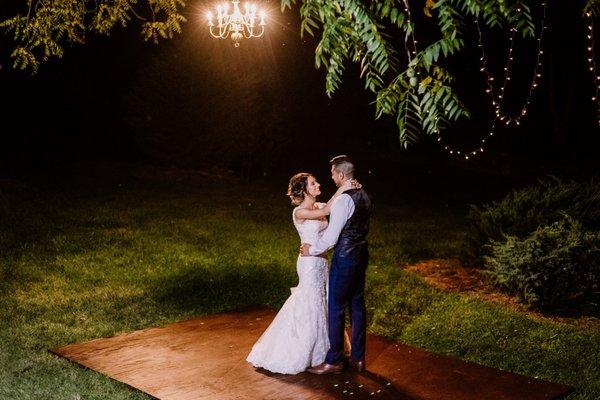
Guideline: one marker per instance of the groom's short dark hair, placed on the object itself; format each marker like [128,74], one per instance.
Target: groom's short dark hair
[342,163]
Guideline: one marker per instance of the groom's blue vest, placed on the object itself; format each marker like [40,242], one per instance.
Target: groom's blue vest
[347,281]
[352,241]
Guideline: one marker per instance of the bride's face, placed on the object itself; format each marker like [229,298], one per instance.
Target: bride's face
[313,187]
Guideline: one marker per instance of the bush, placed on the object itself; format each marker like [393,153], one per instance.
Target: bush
[523,211]
[557,264]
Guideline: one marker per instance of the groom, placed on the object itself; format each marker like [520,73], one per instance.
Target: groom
[347,231]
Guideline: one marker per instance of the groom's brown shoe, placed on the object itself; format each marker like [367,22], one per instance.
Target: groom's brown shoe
[325,368]
[359,365]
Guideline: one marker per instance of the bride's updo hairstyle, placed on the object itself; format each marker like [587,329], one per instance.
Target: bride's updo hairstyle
[298,187]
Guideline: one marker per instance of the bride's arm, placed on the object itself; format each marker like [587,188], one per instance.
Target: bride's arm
[318,213]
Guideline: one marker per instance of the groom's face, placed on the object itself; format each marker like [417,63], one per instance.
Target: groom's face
[338,177]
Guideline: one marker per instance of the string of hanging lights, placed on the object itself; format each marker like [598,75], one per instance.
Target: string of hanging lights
[411,34]
[592,62]
[497,97]
[413,52]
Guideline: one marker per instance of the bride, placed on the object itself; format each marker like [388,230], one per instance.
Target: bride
[297,337]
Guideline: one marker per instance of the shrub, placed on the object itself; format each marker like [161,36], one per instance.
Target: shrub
[557,264]
[523,211]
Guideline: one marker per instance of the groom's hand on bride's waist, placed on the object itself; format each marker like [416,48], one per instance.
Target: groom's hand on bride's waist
[304,249]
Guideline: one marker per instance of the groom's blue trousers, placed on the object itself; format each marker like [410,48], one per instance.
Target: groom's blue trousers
[346,290]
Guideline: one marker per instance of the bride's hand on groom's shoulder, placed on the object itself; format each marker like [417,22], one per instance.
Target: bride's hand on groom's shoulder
[351,184]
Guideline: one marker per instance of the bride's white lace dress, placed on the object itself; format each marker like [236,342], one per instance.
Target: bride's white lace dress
[297,337]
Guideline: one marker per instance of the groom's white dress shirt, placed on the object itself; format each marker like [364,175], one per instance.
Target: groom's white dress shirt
[341,211]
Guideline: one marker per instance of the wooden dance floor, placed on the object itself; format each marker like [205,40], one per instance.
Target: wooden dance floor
[204,358]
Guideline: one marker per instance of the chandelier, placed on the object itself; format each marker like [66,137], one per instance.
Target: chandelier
[236,24]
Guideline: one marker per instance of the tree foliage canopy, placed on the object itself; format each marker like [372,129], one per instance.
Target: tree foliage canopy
[45,26]
[408,81]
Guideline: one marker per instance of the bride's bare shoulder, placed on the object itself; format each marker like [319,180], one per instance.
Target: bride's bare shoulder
[302,214]
[295,213]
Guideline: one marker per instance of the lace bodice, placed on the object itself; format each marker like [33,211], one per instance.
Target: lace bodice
[309,229]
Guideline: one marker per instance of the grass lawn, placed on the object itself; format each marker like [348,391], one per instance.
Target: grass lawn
[78,268]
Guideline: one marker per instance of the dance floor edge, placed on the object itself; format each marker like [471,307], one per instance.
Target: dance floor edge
[204,358]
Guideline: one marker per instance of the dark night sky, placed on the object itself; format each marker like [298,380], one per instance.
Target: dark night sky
[194,99]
